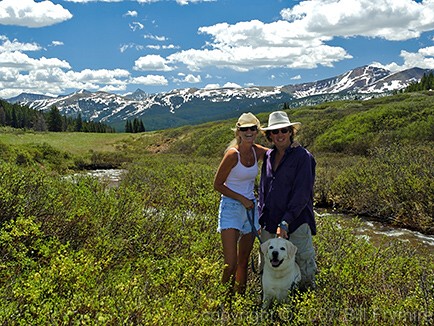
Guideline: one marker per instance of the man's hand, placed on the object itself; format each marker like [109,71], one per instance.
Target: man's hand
[283,230]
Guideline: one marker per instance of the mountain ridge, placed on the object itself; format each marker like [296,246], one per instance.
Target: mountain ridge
[194,105]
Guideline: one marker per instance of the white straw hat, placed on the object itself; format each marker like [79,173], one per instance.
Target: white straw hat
[279,119]
[247,120]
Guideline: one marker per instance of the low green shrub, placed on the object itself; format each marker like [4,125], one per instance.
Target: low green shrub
[36,154]
[178,182]
[147,253]
[395,183]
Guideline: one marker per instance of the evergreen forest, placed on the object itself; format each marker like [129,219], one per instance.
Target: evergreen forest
[22,117]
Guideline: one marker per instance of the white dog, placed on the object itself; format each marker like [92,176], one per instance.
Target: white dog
[281,273]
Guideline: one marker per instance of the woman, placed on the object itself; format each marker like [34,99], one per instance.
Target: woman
[235,179]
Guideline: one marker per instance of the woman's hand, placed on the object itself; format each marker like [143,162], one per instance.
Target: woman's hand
[247,203]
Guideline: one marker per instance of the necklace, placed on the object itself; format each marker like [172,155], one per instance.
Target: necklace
[247,158]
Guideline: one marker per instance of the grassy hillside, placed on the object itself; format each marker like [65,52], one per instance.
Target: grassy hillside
[350,127]
[77,251]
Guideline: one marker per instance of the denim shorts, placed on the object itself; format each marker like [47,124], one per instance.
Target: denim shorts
[233,215]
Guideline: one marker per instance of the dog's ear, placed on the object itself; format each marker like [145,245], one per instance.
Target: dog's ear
[264,246]
[291,249]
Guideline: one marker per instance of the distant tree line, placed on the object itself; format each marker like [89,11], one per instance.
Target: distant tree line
[425,83]
[285,106]
[134,126]
[23,117]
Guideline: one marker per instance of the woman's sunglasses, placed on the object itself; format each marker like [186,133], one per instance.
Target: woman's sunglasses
[276,131]
[252,128]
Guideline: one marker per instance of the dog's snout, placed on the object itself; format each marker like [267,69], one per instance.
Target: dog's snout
[275,254]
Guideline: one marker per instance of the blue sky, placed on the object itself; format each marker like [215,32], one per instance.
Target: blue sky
[56,47]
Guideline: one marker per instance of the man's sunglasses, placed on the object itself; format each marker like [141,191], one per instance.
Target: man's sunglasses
[252,128]
[283,131]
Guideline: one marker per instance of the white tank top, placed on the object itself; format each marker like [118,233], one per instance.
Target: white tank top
[241,179]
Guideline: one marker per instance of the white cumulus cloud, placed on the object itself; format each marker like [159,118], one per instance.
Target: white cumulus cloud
[302,38]
[149,80]
[30,13]
[152,62]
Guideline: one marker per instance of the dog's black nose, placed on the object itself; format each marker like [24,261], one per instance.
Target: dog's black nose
[275,254]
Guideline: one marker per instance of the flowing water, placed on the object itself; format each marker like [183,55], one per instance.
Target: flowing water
[111,177]
[377,232]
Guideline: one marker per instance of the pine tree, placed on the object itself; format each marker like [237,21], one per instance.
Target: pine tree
[14,123]
[128,126]
[78,123]
[285,106]
[39,123]
[426,83]
[54,120]
[135,125]
[2,116]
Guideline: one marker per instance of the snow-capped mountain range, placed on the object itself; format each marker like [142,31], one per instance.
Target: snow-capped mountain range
[191,105]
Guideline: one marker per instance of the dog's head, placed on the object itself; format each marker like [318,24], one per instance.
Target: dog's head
[278,250]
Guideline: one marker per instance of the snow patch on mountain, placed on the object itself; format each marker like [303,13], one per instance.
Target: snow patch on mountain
[114,108]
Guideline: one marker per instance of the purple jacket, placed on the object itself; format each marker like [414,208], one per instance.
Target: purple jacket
[287,193]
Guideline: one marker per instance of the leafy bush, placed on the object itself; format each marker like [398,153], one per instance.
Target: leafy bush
[182,183]
[395,182]
[75,251]
[36,154]
[372,284]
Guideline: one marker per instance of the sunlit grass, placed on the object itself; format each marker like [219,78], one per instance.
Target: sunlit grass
[72,142]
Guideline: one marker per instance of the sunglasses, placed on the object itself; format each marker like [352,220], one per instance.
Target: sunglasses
[252,128]
[283,131]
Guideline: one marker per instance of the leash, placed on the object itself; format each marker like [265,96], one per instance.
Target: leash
[251,218]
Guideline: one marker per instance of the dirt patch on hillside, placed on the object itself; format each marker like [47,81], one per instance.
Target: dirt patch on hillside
[162,146]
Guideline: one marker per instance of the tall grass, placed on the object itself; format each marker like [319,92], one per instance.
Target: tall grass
[61,151]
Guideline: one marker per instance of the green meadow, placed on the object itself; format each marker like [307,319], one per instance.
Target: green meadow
[77,251]
[71,142]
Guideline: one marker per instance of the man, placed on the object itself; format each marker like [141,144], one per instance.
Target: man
[286,194]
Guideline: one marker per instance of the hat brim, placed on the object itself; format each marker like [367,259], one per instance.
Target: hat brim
[296,125]
[244,125]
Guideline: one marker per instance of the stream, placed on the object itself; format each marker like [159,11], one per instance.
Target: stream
[377,232]
[371,230]
[112,177]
